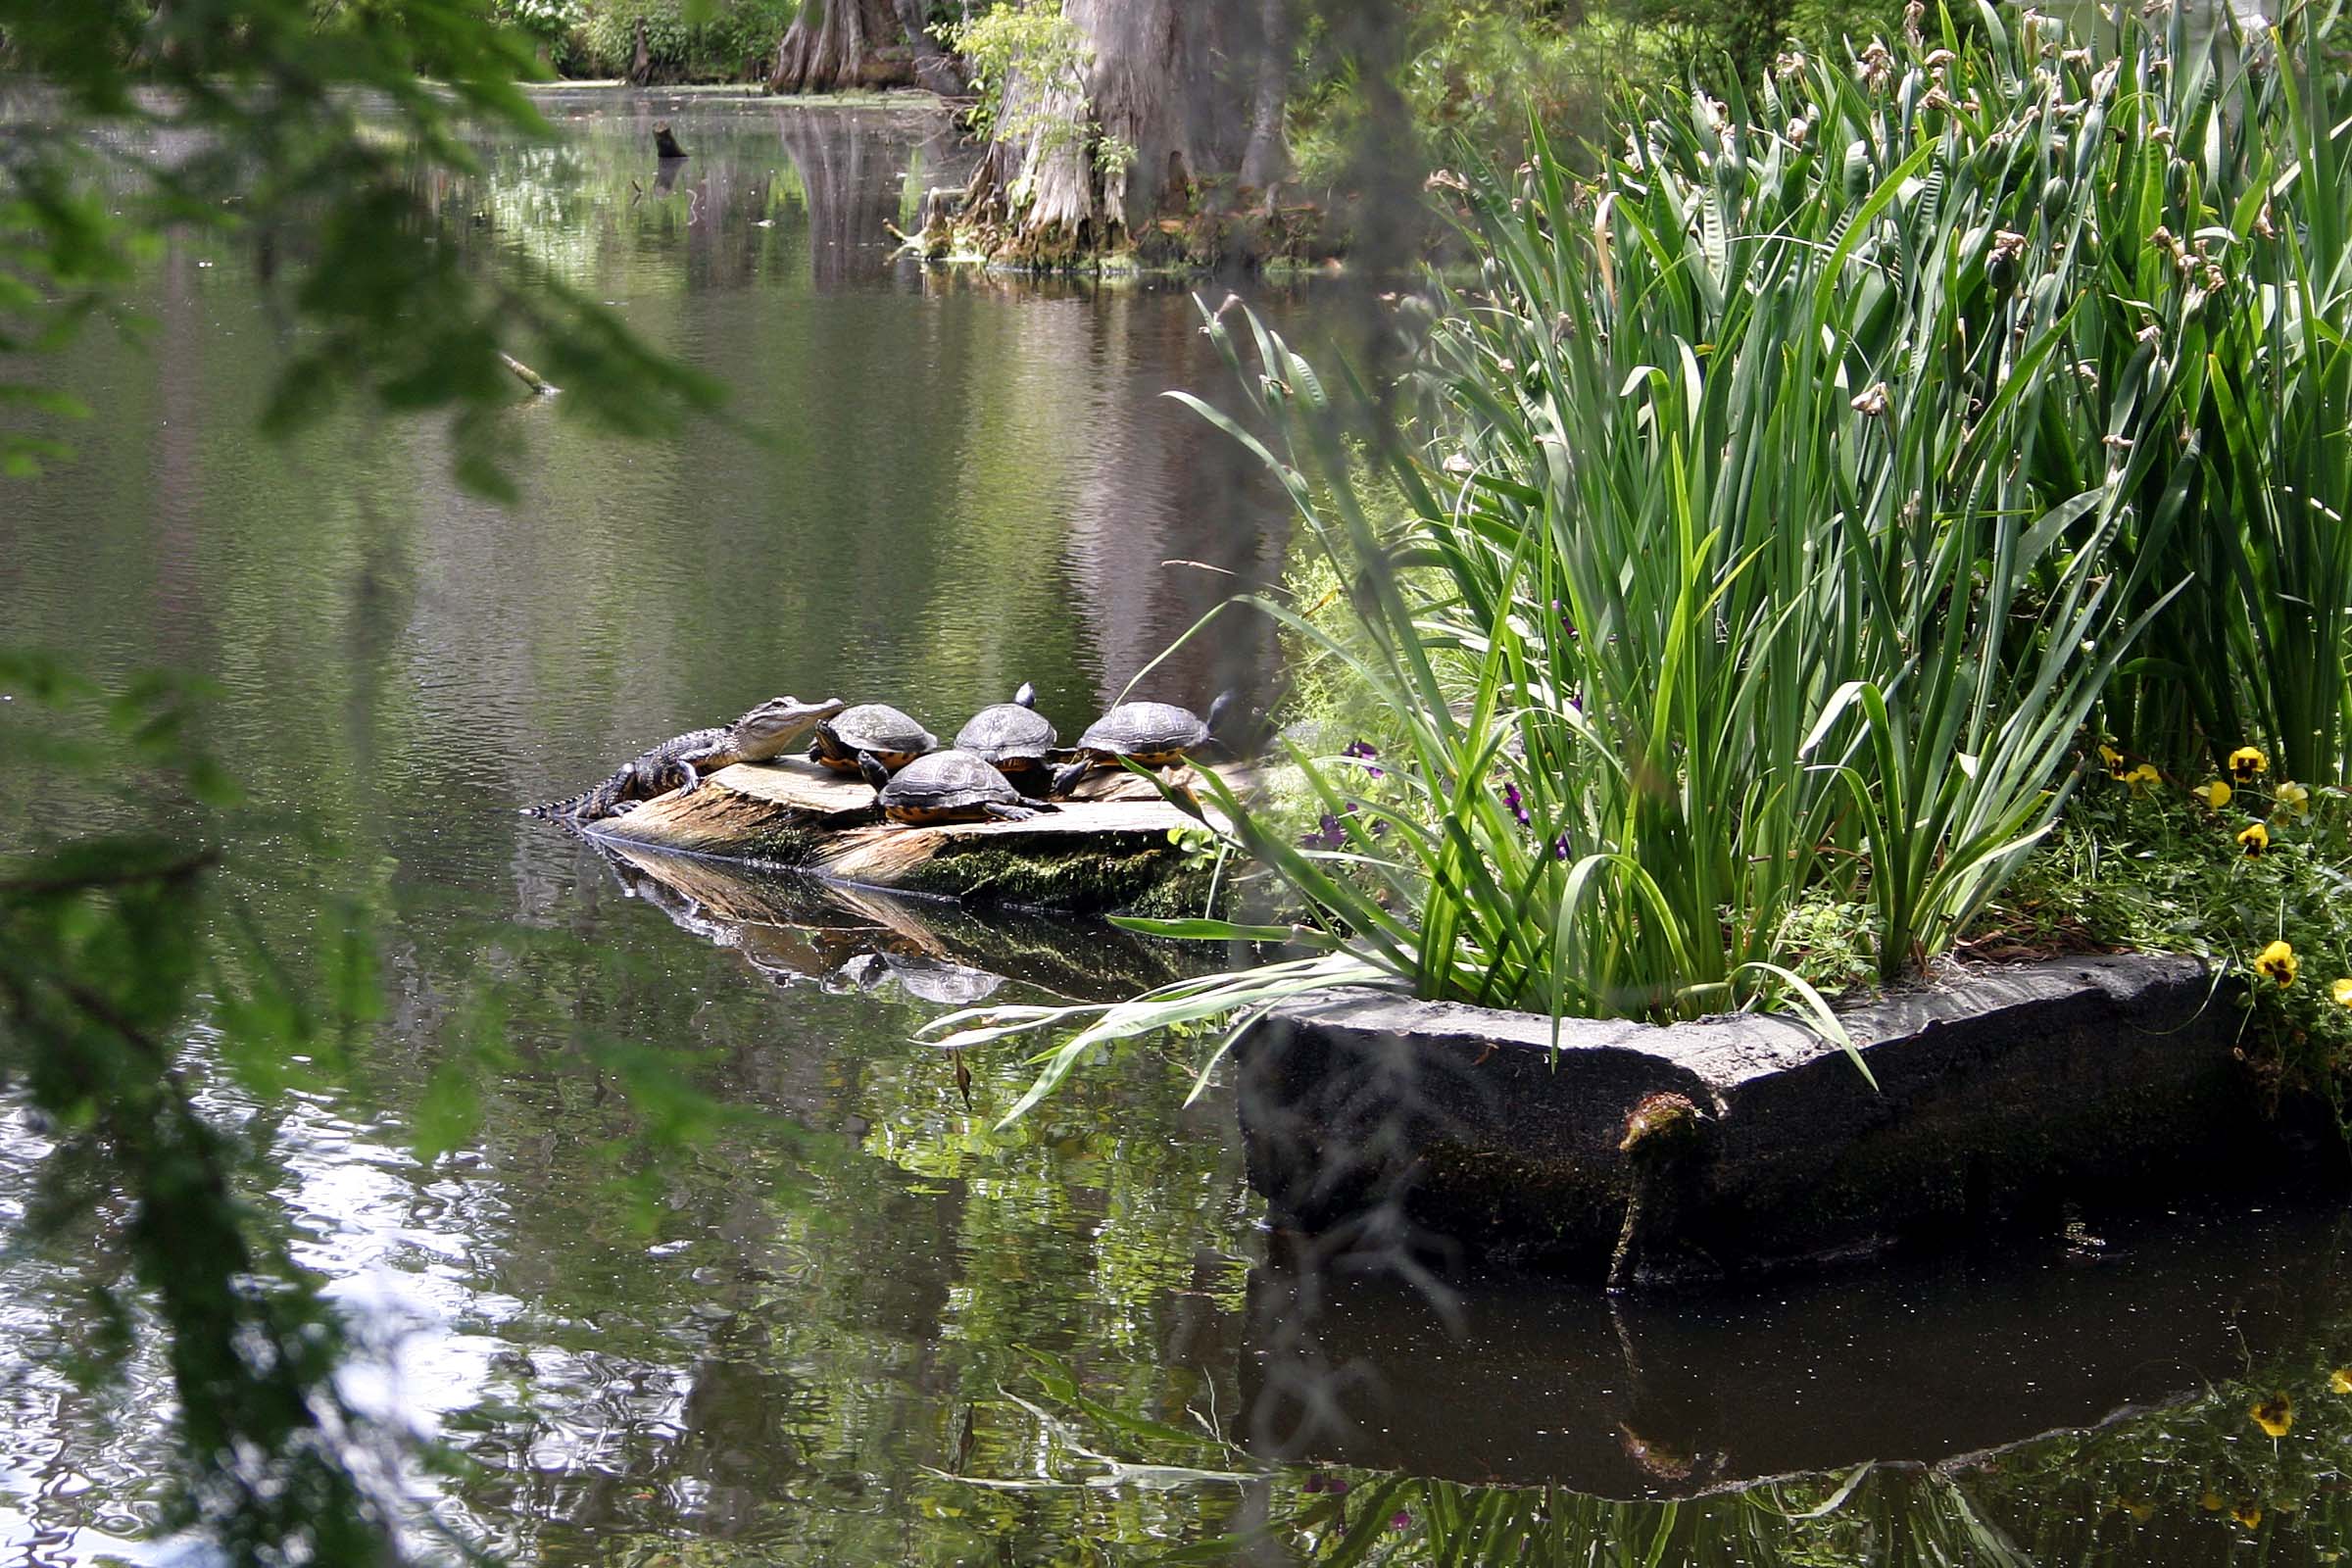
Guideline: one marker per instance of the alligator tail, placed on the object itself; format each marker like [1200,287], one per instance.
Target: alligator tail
[588,804]
[564,807]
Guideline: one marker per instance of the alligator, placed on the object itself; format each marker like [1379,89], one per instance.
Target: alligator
[770,730]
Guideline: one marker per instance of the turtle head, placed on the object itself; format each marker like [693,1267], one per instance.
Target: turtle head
[1026,697]
[1221,709]
[870,769]
[769,729]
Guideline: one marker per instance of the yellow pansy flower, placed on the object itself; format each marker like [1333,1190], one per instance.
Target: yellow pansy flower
[2342,992]
[2211,1503]
[2248,1514]
[2275,1416]
[2341,1380]
[2113,758]
[2213,792]
[2293,799]
[2278,961]
[2248,763]
[2255,838]
[2142,776]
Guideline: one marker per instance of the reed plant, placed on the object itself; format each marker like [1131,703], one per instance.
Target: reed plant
[2216,251]
[1765,523]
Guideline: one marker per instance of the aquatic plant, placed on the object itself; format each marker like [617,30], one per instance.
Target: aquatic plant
[1764,537]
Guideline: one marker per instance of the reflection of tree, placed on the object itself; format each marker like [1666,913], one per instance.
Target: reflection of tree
[850,171]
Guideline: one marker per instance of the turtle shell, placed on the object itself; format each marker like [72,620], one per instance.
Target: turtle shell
[876,727]
[945,785]
[1009,735]
[1149,732]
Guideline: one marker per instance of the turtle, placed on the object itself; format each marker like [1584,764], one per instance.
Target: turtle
[950,786]
[1154,734]
[875,727]
[1015,737]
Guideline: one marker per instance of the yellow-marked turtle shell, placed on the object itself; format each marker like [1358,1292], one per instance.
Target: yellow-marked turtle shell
[951,786]
[1151,733]
[893,737]
[1013,737]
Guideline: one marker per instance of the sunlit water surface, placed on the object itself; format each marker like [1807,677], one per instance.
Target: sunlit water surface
[813,1308]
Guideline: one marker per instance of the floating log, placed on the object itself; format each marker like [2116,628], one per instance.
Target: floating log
[1111,850]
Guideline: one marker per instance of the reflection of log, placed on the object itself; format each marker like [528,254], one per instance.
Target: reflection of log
[790,926]
[1093,855]
[666,145]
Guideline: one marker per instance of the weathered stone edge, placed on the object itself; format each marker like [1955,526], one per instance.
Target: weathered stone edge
[2002,1095]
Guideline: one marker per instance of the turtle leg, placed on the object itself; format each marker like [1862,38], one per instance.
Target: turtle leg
[1066,778]
[998,811]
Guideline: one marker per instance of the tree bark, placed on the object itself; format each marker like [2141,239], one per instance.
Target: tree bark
[935,70]
[641,59]
[1106,161]
[837,44]
[1266,160]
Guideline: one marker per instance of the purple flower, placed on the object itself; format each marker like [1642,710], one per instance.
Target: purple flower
[1401,1520]
[1362,750]
[1559,848]
[1328,834]
[1380,827]
[1518,807]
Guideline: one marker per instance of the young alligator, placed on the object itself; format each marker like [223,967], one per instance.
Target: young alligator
[771,729]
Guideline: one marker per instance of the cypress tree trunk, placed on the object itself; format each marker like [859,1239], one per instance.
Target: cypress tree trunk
[1266,160]
[1174,92]
[834,44]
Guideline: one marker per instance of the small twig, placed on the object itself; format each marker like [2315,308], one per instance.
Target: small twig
[529,377]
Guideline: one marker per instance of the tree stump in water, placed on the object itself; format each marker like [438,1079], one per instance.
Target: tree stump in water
[666,145]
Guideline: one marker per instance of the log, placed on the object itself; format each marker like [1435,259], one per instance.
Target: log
[529,377]
[1108,850]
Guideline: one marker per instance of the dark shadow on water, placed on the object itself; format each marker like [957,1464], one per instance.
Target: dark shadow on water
[1520,1381]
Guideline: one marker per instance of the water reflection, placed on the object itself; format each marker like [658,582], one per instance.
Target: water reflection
[791,927]
[1514,1380]
[641,1196]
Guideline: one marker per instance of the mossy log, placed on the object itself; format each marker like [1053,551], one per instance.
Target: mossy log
[1110,850]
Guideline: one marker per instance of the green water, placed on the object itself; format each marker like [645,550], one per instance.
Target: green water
[730,1271]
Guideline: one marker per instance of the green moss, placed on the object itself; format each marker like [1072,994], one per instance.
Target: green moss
[1154,880]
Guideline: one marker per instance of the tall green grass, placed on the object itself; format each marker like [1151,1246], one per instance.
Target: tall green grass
[1777,508]
[2215,234]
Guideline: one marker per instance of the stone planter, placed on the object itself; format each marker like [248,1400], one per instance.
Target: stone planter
[1635,1153]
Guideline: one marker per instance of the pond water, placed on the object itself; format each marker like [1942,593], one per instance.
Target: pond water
[727,1270]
